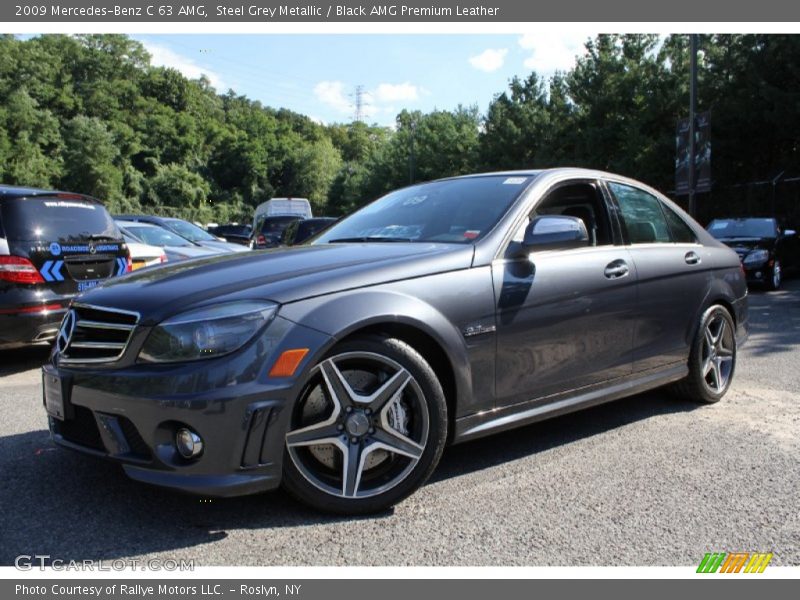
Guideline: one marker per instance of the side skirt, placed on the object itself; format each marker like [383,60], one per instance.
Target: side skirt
[499,419]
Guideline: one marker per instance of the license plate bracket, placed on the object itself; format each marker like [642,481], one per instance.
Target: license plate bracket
[56,391]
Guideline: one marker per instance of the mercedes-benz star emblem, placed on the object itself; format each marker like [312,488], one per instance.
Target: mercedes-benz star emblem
[66,331]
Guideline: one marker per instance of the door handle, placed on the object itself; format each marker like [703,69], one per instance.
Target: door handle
[692,258]
[616,269]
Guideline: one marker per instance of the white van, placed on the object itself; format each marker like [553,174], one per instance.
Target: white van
[273,216]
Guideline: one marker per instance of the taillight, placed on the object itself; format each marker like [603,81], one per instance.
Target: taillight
[19,270]
[261,240]
[162,258]
[128,265]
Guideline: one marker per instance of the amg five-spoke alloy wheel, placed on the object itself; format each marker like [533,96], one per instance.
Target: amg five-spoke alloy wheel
[712,359]
[368,428]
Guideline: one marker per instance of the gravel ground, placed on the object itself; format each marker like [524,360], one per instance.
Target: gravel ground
[644,481]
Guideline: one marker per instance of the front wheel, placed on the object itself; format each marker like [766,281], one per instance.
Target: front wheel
[368,429]
[774,280]
[712,359]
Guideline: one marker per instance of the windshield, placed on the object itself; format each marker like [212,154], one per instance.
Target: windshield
[57,219]
[190,231]
[156,236]
[455,211]
[742,228]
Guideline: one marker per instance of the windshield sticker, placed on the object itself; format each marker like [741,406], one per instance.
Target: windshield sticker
[471,234]
[515,180]
[64,204]
[55,248]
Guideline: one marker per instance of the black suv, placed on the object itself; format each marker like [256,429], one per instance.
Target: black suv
[53,245]
[765,249]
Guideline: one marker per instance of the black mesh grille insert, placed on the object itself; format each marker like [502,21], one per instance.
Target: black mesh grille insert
[135,441]
[81,430]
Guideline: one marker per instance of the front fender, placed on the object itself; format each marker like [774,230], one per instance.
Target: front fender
[348,312]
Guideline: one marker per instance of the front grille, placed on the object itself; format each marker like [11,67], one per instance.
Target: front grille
[81,430]
[92,334]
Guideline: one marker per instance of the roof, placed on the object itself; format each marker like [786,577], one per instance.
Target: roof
[13,191]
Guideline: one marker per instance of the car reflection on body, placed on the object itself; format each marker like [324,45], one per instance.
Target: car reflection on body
[340,369]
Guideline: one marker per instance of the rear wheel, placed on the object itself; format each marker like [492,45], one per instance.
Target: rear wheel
[368,429]
[712,360]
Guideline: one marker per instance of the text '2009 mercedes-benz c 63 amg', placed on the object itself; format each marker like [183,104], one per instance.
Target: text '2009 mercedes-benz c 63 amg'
[439,313]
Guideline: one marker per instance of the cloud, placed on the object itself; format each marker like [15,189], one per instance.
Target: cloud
[489,60]
[333,94]
[380,100]
[162,56]
[400,92]
[551,51]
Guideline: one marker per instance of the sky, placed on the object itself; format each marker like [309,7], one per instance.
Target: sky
[317,75]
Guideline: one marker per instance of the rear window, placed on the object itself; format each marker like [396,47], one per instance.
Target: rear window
[56,219]
[273,225]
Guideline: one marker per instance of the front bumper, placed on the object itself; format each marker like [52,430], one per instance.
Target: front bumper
[130,414]
[759,274]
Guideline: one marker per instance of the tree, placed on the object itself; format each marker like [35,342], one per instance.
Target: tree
[89,155]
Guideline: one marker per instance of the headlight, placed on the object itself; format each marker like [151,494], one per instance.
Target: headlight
[756,257]
[207,332]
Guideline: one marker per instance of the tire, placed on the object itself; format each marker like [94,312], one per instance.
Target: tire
[775,277]
[712,360]
[368,428]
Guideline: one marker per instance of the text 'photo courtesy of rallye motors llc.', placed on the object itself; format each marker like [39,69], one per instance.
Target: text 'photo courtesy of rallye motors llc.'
[53,246]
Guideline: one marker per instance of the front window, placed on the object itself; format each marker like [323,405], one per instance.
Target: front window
[190,231]
[724,229]
[156,236]
[455,211]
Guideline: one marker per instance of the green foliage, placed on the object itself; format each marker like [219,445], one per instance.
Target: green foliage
[90,114]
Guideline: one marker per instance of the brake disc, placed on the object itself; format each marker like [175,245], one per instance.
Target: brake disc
[317,408]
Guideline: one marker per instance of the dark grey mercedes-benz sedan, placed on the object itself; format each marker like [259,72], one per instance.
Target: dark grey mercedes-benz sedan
[439,313]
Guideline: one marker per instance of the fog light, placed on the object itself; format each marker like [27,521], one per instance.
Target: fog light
[758,273]
[188,443]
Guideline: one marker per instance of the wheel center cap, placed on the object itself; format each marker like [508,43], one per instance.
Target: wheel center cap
[357,424]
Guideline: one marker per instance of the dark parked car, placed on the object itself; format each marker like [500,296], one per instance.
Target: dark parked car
[53,245]
[186,230]
[439,313]
[271,232]
[765,249]
[299,231]
[236,234]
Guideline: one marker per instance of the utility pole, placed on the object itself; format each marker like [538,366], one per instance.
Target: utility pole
[692,121]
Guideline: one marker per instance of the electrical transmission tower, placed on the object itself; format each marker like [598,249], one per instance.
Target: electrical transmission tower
[360,102]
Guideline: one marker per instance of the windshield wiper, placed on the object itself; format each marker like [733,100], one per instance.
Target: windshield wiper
[369,239]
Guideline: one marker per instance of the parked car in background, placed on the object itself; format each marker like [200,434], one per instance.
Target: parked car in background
[144,255]
[174,246]
[186,230]
[340,369]
[53,245]
[235,234]
[765,248]
[297,232]
[270,231]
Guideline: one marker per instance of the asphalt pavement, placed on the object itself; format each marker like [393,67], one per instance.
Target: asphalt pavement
[648,480]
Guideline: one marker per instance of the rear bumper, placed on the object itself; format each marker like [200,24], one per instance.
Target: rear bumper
[18,329]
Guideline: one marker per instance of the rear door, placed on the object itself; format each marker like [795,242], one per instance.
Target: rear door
[70,239]
[673,271]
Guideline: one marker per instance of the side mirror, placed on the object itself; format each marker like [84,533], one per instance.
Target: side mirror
[554,232]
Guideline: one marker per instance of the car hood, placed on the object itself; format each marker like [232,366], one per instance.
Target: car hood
[745,244]
[282,275]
